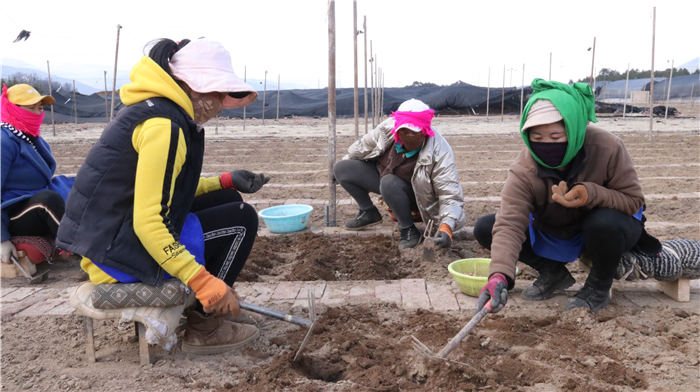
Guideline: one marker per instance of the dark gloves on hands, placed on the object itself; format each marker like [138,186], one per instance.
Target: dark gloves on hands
[443,240]
[243,181]
[496,290]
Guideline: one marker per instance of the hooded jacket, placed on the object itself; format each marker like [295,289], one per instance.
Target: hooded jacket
[606,170]
[136,186]
[435,180]
[26,171]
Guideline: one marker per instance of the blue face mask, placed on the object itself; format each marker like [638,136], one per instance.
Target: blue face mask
[551,154]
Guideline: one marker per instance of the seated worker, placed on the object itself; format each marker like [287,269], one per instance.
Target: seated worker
[573,188]
[33,199]
[140,185]
[412,166]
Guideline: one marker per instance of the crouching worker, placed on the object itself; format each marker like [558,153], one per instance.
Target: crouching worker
[573,188]
[141,182]
[33,199]
[413,168]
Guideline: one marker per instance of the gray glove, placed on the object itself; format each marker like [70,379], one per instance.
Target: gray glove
[246,181]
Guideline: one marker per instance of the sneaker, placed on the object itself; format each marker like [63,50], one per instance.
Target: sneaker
[410,238]
[366,218]
[246,317]
[549,281]
[590,298]
[213,334]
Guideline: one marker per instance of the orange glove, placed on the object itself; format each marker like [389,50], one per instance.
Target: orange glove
[576,197]
[214,294]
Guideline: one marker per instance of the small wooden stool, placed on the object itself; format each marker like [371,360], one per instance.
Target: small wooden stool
[167,317]
[145,350]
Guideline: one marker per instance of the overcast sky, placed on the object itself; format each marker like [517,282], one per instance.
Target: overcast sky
[438,41]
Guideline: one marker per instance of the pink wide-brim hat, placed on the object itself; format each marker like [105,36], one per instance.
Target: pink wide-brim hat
[206,67]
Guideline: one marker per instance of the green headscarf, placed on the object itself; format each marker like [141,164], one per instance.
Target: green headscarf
[576,104]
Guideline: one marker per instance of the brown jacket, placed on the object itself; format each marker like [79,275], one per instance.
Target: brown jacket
[607,172]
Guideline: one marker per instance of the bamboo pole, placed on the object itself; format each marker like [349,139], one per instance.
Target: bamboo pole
[278,97]
[651,88]
[381,99]
[75,106]
[106,105]
[364,29]
[355,87]
[264,96]
[624,105]
[668,93]
[488,95]
[593,63]
[245,79]
[503,92]
[330,216]
[53,124]
[376,90]
[371,72]
[114,82]
[522,92]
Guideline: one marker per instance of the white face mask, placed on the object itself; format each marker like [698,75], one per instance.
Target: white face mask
[206,106]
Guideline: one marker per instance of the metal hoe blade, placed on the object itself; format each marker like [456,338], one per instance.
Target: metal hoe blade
[312,316]
[425,352]
[32,279]
[428,243]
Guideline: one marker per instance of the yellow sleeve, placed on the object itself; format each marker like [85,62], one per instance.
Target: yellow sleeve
[161,147]
[208,184]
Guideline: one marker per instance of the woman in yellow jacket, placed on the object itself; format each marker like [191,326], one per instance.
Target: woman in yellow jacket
[139,190]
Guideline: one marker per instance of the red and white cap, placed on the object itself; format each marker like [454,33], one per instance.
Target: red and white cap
[206,67]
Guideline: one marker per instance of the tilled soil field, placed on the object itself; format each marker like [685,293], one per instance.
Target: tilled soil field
[368,347]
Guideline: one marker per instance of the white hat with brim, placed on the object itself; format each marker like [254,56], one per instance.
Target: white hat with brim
[541,112]
[205,66]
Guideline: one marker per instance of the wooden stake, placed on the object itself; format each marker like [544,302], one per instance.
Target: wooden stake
[106,105]
[364,28]
[668,93]
[522,92]
[245,79]
[75,106]
[651,88]
[264,96]
[330,218]
[503,92]
[624,105]
[376,90]
[355,92]
[593,63]
[51,95]
[488,95]
[371,72]
[278,97]
[114,82]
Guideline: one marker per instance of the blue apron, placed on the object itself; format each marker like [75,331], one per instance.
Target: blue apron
[554,248]
[192,237]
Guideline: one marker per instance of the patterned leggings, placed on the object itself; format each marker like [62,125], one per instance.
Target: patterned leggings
[230,227]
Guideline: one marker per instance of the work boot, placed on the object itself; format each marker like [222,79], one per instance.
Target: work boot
[590,296]
[551,279]
[213,334]
[410,237]
[246,317]
[364,219]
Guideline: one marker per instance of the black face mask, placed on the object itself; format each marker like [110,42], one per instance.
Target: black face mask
[552,154]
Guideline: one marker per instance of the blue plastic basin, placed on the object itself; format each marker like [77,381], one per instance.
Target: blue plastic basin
[286,218]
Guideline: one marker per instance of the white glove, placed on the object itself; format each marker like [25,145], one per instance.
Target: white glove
[8,248]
